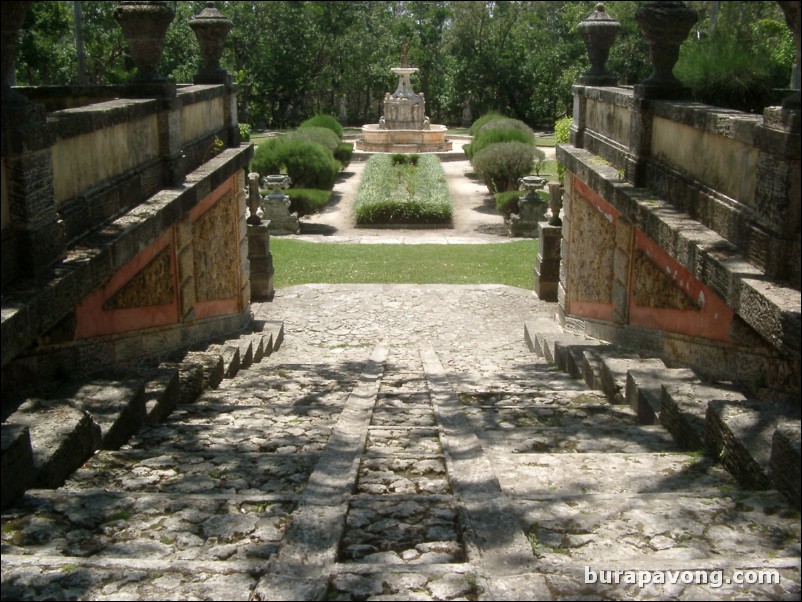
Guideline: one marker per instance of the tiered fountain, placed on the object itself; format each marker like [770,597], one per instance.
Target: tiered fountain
[404,128]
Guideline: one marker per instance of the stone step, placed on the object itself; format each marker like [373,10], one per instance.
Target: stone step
[784,463]
[17,467]
[644,389]
[740,434]
[683,409]
[230,355]
[162,394]
[614,374]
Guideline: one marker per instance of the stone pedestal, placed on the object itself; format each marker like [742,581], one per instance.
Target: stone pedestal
[547,263]
[261,260]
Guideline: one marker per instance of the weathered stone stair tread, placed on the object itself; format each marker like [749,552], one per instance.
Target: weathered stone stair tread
[525,416]
[660,529]
[231,358]
[683,409]
[17,468]
[579,438]
[740,433]
[209,471]
[614,374]
[62,437]
[644,389]
[546,475]
[162,394]
[784,464]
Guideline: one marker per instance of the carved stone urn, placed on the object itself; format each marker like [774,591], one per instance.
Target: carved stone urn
[599,31]
[144,26]
[211,28]
[13,16]
[665,26]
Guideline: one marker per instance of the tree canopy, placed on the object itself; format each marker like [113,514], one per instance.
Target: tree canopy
[294,59]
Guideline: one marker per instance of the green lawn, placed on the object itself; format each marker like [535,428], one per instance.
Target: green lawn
[298,262]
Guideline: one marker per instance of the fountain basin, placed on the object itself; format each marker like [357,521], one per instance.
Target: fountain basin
[378,140]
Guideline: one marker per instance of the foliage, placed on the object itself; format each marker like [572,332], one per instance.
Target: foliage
[721,72]
[321,135]
[403,193]
[304,263]
[343,154]
[483,120]
[293,60]
[495,136]
[324,121]
[507,202]
[244,132]
[500,165]
[309,164]
[562,130]
[507,123]
[306,201]
[404,159]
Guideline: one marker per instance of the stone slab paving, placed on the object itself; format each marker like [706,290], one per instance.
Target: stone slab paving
[403,444]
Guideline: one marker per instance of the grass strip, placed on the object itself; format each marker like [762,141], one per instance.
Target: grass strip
[298,262]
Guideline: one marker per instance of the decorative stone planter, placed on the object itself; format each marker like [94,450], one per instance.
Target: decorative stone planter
[531,208]
[276,206]
[211,29]
[599,31]
[665,26]
[144,26]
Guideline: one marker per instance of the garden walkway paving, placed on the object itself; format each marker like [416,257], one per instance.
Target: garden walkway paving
[402,444]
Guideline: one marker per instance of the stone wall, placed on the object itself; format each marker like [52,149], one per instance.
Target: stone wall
[124,230]
[681,232]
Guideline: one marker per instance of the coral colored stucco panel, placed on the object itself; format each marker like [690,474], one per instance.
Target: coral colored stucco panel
[709,318]
[96,315]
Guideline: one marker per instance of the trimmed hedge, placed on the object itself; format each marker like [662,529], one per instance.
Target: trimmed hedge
[306,201]
[500,165]
[309,164]
[403,194]
[507,123]
[324,121]
[495,136]
[343,154]
[484,119]
[320,135]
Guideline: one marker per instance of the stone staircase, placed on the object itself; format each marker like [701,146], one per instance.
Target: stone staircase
[47,437]
[756,438]
[423,464]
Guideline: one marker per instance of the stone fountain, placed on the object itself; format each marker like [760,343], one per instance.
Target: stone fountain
[404,127]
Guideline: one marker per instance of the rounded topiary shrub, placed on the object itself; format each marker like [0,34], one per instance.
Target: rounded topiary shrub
[507,202]
[488,137]
[343,154]
[317,134]
[486,118]
[500,165]
[324,121]
[268,157]
[309,164]
[507,123]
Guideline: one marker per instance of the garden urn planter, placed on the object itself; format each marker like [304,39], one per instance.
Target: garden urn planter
[211,29]
[599,31]
[144,26]
[665,26]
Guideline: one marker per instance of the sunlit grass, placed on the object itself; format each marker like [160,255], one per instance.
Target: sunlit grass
[299,262]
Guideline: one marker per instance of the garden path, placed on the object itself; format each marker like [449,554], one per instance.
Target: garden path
[476,220]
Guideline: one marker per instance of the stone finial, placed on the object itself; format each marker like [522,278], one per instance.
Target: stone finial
[211,29]
[144,26]
[665,26]
[599,31]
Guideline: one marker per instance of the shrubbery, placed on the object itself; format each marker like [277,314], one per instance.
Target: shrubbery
[403,193]
[500,165]
[343,154]
[484,119]
[317,134]
[507,123]
[324,121]
[309,164]
[306,201]
[489,137]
